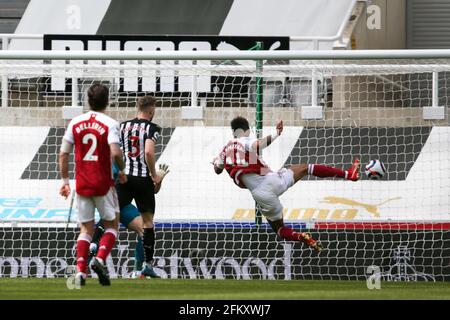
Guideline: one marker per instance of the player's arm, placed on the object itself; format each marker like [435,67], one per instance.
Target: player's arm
[262,143]
[117,156]
[218,162]
[150,159]
[218,169]
[116,151]
[66,149]
[151,137]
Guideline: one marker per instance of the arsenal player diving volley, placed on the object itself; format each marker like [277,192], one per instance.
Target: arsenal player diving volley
[241,158]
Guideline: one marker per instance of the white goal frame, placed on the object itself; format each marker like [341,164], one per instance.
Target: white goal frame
[421,61]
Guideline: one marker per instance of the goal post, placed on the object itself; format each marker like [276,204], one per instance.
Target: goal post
[259,115]
[336,105]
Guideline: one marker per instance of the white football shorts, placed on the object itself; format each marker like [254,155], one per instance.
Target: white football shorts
[107,206]
[267,193]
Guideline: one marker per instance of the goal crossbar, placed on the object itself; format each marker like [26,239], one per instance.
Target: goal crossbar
[224,55]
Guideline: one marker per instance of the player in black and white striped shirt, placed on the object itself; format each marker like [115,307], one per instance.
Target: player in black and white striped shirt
[138,138]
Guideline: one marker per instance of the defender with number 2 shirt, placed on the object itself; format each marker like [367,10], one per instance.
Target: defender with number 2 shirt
[95,137]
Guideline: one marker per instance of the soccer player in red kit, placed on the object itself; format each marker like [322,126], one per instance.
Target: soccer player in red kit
[241,159]
[95,137]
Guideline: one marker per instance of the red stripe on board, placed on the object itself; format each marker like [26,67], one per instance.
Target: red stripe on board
[384,225]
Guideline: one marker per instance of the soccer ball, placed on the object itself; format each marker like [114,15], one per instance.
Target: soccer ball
[375,170]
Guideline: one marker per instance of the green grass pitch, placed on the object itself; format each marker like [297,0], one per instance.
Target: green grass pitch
[32,288]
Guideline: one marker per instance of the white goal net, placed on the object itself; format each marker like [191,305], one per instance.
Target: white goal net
[333,111]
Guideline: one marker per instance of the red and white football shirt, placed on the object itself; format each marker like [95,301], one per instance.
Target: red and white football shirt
[239,158]
[91,133]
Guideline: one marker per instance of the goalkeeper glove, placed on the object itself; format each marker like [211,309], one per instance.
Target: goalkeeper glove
[163,170]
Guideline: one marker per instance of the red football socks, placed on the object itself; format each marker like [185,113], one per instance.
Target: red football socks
[321,171]
[106,244]
[289,234]
[83,242]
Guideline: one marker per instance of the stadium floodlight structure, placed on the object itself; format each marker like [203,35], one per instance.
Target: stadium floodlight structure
[336,105]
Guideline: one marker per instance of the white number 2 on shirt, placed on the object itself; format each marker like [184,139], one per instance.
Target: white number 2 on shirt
[90,154]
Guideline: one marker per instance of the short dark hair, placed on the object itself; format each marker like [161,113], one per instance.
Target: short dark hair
[145,102]
[239,123]
[98,97]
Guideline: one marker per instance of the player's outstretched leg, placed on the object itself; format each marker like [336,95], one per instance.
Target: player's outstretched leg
[290,235]
[323,171]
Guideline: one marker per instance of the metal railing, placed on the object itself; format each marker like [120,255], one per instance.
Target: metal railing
[316,40]
[6,37]
[231,55]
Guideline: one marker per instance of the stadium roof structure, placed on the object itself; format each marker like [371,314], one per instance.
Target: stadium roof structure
[300,19]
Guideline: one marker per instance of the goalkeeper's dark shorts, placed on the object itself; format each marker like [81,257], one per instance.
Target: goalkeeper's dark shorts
[139,189]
